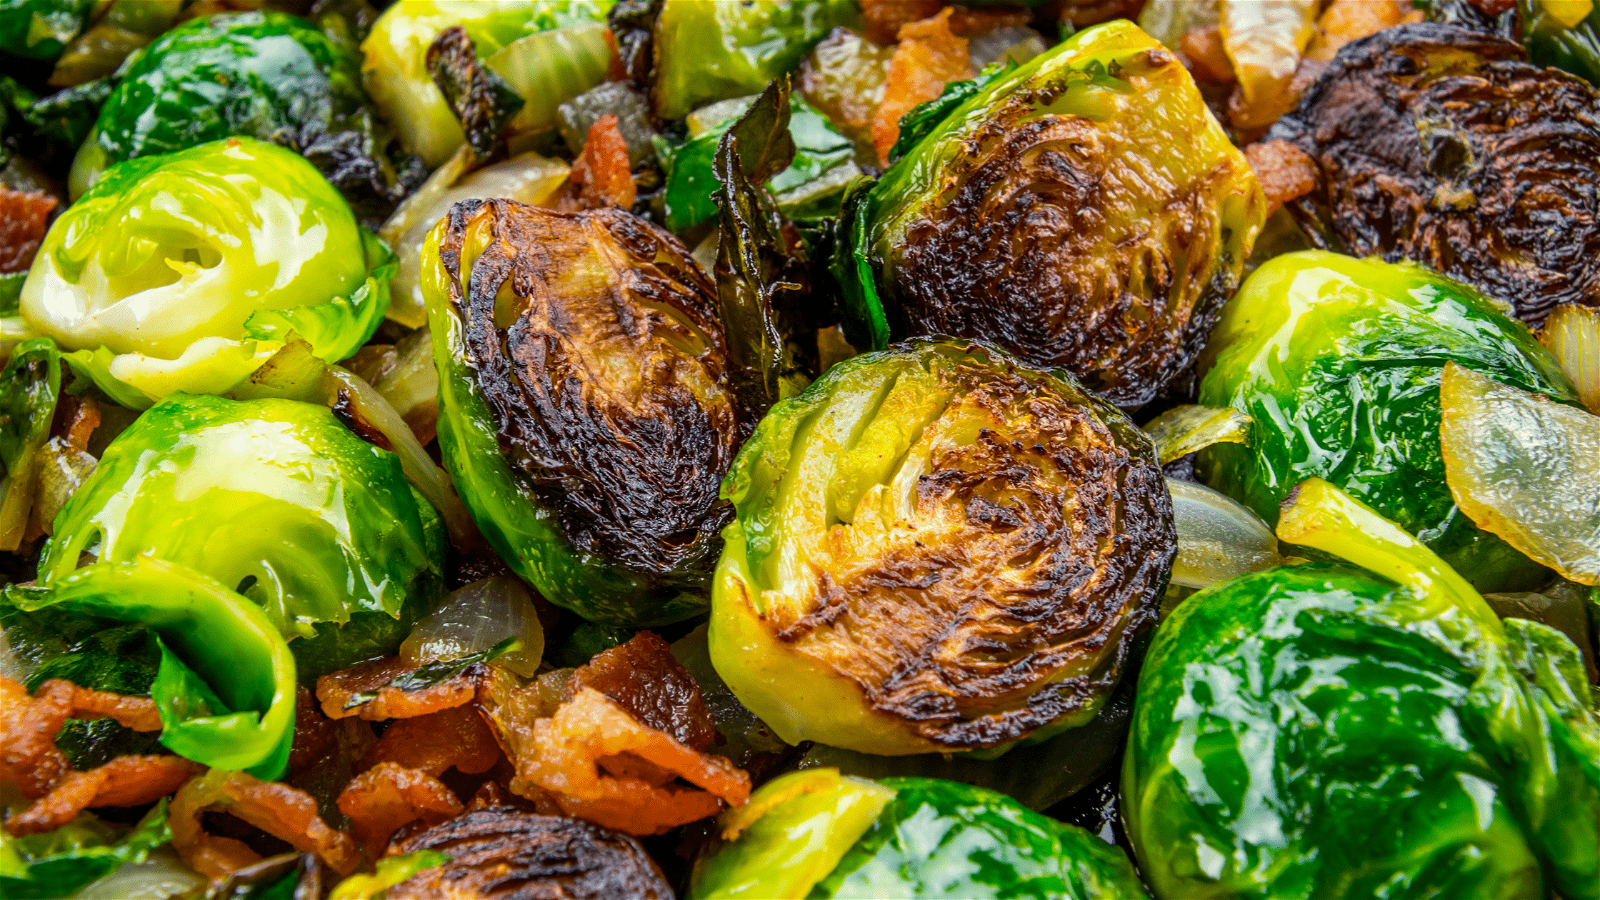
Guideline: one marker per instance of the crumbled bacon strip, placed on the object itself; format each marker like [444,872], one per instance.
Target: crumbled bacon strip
[456,738]
[279,810]
[76,419]
[388,796]
[928,57]
[28,727]
[335,691]
[24,219]
[601,764]
[602,172]
[971,23]
[885,18]
[1351,20]
[645,678]
[124,781]
[1207,57]
[1286,173]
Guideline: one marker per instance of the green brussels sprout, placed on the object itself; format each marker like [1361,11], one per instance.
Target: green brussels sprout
[185,272]
[40,29]
[584,407]
[397,74]
[58,863]
[816,834]
[277,497]
[1320,731]
[1337,361]
[937,548]
[708,50]
[1084,210]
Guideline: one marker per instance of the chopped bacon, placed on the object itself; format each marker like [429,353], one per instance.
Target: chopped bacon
[28,727]
[1286,173]
[928,57]
[389,796]
[1350,20]
[971,23]
[601,764]
[885,18]
[76,419]
[602,172]
[455,738]
[337,691]
[645,678]
[279,810]
[1208,59]
[124,781]
[24,219]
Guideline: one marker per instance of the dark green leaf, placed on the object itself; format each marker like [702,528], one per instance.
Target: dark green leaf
[59,862]
[482,101]
[435,673]
[924,117]
[586,640]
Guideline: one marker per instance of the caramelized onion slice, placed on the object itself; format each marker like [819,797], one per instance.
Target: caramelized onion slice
[475,618]
[1524,467]
[1572,333]
[277,809]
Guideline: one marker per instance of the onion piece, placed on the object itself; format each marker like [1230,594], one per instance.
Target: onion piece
[1523,467]
[64,469]
[1169,20]
[159,876]
[1265,39]
[477,617]
[1572,334]
[1183,430]
[1218,538]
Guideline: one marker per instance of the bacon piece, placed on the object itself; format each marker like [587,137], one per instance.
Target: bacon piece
[124,781]
[1350,20]
[601,764]
[1286,173]
[24,219]
[929,56]
[645,678]
[76,419]
[337,691]
[279,810]
[28,727]
[971,23]
[885,18]
[457,738]
[1207,57]
[389,796]
[602,172]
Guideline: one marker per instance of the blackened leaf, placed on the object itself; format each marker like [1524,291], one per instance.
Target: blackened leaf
[633,24]
[481,99]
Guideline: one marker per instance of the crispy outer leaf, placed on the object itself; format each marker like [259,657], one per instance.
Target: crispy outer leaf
[482,100]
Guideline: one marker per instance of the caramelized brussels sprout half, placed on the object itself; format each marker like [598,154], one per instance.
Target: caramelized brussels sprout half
[1441,145]
[937,548]
[1083,211]
[276,498]
[1337,362]
[583,400]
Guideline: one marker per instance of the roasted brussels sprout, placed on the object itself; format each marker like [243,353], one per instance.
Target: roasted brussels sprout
[1440,145]
[1083,211]
[276,497]
[1337,361]
[1319,731]
[816,834]
[498,852]
[583,403]
[40,29]
[937,548]
[185,272]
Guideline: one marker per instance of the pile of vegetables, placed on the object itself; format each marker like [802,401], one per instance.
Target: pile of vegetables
[835,449]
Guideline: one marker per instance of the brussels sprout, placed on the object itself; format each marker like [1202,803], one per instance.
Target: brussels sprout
[1084,211]
[1440,145]
[709,50]
[40,29]
[318,527]
[815,834]
[583,403]
[1319,731]
[937,548]
[58,863]
[1337,362]
[187,271]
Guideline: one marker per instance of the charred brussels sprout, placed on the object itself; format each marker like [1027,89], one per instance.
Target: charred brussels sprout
[1084,211]
[583,403]
[274,497]
[818,835]
[1337,361]
[937,548]
[185,272]
[1440,145]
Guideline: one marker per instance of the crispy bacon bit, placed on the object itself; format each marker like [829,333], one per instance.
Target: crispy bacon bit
[1286,173]
[1350,20]
[929,56]
[1207,57]
[885,18]
[646,680]
[602,171]
[970,23]
[338,691]
[601,764]
[277,809]
[124,781]
[388,796]
[24,218]
[28,727]
[76,419]
[455,738]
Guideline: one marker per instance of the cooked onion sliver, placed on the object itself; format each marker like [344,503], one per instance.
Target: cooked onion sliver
[1183,430]
[1524,467]
[1218,538]
[1572,333]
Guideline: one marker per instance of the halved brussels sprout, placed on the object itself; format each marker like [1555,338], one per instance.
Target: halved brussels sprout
[583,403]
[818,835]
[1083,211]
[185,272]
[277,498]
[1337,362]
[937,548]
[1440,145]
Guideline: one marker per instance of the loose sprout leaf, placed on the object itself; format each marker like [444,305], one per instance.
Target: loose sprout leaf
[434,673]
[1572,334]
[1183,430]
[481,99]
[925,117]
[59,862]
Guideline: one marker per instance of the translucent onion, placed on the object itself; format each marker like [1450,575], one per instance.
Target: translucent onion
[160,876]
[1572,334]
[62,471]
[1183,430]
[411,383]
[1218,538]
[475,618]
[1169,20]
[1524,467]
[548,68]
[1264,39]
